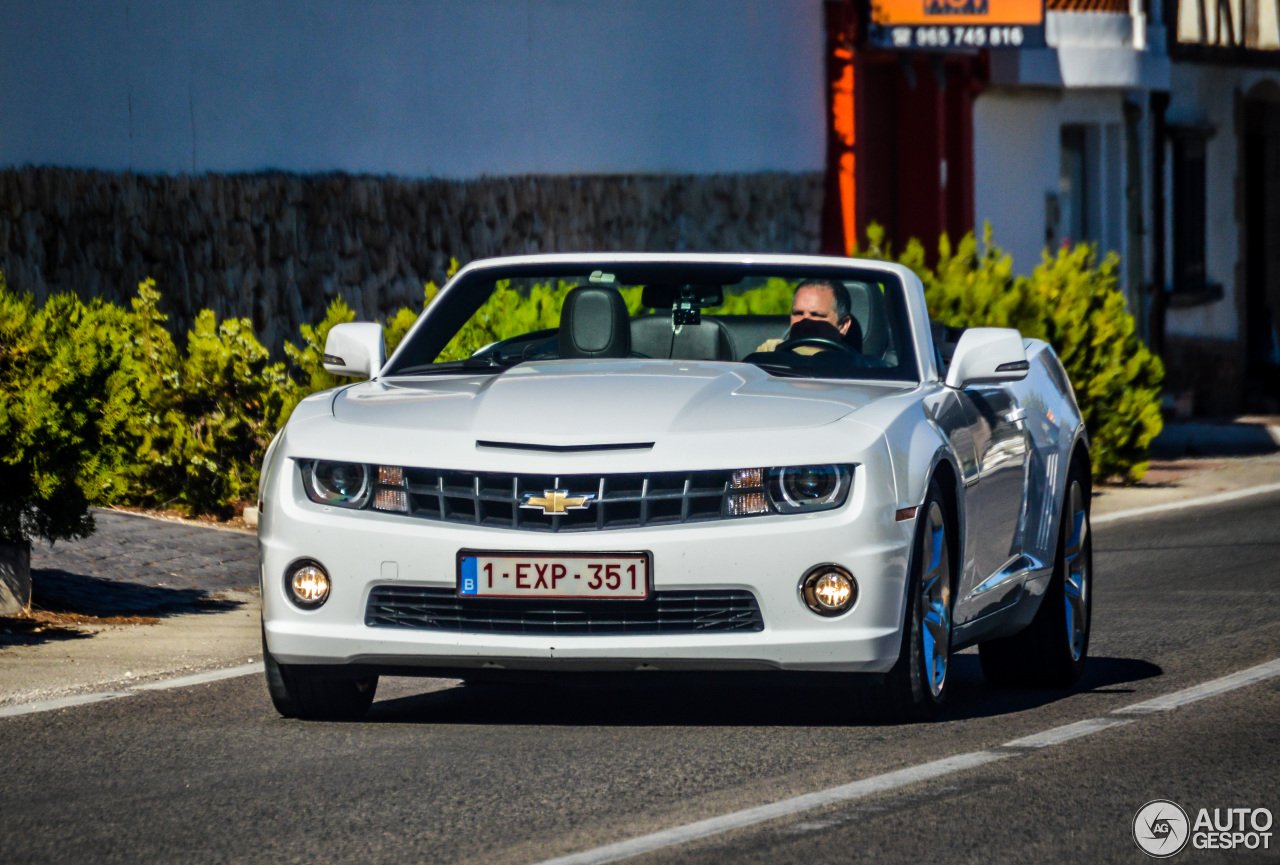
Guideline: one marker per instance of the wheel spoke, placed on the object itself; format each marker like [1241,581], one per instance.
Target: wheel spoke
[1075,580]
[935,602]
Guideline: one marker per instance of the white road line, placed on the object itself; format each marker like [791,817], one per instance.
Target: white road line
[1260,673]
[180,682]
[1217,498]
[62,703]
[892,780]
[1058,735]
[201,678]
[751,816]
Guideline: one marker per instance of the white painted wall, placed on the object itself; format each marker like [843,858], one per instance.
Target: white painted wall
[1017,160]
[445,88]
[1012,171]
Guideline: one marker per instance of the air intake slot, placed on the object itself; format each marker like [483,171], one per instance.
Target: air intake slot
[566,449]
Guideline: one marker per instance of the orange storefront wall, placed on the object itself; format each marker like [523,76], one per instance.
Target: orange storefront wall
[900,139]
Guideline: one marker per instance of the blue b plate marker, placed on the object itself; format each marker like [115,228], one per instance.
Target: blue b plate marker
[469,584]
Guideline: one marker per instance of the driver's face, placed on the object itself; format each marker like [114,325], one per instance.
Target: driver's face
[817,302]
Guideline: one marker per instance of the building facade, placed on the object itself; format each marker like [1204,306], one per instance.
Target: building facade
[1147,129]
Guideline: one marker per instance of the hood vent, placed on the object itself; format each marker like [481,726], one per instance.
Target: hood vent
[566,449]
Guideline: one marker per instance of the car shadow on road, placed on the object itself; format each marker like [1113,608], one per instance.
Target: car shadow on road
[62,603]
[703,702]
[974,697]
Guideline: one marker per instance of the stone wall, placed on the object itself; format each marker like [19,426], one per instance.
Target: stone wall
[277,248]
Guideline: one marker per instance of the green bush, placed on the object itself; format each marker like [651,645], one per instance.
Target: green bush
[206,412]
[99,404]
[65,397]
[1073,302]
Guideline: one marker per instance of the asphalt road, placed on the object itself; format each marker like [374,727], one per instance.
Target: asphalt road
[445,773]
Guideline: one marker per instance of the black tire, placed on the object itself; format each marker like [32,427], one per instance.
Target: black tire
[1044,654]
[910,692]
[300,692]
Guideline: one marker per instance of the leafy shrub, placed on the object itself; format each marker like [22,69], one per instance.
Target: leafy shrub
[509,311]
[65,396]
[207,412]
[1073,302]
[772,298]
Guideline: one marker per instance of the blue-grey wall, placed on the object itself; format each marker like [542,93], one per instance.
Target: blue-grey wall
[443,88]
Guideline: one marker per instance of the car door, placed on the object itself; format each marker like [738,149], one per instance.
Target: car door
[994,503]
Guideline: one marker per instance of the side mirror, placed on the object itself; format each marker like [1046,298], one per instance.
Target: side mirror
[355,349]
[988,355]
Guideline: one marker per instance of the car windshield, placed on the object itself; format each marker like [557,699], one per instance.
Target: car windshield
[788,320]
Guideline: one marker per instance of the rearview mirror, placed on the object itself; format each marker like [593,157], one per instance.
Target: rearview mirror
[355,349]
[988,355]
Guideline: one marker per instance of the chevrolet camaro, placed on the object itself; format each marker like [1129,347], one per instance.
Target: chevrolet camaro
[647,464]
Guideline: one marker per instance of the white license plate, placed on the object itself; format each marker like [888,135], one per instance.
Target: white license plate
[547,575]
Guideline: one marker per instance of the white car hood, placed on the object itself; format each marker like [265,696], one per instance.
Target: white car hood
[571,402]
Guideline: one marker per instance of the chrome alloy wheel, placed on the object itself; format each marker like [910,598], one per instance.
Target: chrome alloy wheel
[1077,575]
[935,600]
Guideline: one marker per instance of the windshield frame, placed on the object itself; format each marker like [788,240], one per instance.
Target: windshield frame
[459,301]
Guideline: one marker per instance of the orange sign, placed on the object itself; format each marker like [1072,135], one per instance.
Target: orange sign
[956,25]
[888,13]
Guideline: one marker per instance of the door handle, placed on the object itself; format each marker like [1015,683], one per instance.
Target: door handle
[1017,415]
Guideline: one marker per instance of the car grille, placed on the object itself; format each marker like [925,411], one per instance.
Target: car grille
[667,612]
[621,500]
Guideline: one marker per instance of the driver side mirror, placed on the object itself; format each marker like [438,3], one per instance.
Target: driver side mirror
[355,349]
[988,355]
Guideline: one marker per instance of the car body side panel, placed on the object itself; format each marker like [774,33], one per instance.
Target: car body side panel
[1002,603]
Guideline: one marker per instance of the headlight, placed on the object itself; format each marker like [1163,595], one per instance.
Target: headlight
[344,485]
[799,489]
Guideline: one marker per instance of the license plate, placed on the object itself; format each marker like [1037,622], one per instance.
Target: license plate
[553,575]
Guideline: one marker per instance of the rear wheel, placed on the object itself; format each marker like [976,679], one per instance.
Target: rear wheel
[298,691]
[1052,650]
[916,687]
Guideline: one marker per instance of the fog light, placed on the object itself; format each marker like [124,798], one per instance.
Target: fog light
[308,584]
[829,590]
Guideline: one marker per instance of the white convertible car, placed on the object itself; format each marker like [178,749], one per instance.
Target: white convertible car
[605,463]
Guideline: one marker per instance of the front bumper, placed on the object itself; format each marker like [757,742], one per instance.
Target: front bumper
[764,555]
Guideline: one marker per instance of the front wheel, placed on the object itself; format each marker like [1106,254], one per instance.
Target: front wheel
[298,691]
[1052,650]
[916,687]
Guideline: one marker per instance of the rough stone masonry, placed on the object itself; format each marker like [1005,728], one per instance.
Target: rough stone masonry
[277,248]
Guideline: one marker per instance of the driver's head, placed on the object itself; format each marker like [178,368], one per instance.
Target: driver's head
[822,300]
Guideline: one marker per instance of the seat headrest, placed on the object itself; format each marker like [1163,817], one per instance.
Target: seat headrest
[594,323]
[866,303]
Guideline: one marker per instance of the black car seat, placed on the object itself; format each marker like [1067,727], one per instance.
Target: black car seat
[866,304]
[652,336]
[594,323]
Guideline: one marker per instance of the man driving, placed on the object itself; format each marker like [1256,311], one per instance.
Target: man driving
[819,308]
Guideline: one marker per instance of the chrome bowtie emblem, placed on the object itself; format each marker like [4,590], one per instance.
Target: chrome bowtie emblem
[556,501]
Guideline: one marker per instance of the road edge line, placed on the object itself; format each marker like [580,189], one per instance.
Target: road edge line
[784,808]
[216,675]
[1203,691]
[202,678]
[1216,498]
[60,703]
[677,835]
